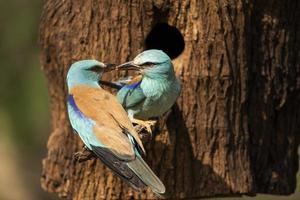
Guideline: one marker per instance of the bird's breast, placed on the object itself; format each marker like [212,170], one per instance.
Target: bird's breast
[160,96]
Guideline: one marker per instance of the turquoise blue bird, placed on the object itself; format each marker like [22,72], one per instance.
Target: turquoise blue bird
[153,92]
[104,127]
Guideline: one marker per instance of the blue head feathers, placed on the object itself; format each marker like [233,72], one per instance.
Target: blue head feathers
[151,56]
[85,72]
[154,63]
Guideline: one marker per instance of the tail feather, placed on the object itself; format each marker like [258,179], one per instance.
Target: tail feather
[119,167]
[143,171]
[137,173]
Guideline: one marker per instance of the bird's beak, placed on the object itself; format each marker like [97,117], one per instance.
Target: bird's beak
[109,67]
[128,66]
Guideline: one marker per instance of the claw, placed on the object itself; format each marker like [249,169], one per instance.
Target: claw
[146,124]
[83,155]
[143,134]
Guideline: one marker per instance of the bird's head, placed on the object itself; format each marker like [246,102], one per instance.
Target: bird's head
[151,63]
[87,72]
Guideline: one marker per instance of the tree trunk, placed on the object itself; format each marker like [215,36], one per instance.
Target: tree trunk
[235,127]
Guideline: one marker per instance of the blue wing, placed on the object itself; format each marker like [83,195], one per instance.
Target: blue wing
[81,124]
[84,127]
[131,95]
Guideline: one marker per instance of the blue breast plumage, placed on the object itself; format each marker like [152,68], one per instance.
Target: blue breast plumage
[149,98]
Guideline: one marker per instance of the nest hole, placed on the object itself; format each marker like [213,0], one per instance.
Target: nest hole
[166,38]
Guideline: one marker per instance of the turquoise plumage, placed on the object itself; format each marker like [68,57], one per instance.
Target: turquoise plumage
[155,92]
[104,127]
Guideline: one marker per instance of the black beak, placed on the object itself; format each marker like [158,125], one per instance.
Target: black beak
[109,67]
[128,66]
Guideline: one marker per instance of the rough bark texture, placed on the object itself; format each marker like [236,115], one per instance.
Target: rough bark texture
[235,127]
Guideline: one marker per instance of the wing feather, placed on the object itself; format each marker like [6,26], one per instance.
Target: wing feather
[120,167]
[105,128]
[111,120]
[131,95]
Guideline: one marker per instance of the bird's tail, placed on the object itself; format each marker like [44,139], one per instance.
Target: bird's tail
[143,171]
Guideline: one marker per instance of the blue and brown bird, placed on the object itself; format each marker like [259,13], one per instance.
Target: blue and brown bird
[153,92]
[104,127]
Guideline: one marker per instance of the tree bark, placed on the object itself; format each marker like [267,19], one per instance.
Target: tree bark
[235,127]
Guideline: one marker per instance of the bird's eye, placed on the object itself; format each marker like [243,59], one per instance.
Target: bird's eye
[147,64]
[95,68]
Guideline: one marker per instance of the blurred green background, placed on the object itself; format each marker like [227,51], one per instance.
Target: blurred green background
[24,111]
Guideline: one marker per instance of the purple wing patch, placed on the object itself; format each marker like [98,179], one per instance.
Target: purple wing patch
[133,86]
[72,103]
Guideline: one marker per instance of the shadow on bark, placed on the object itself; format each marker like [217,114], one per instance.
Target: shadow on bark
[191,176]
[274,125]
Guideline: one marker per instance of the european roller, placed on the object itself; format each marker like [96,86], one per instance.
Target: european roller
[104,127]
[153,92]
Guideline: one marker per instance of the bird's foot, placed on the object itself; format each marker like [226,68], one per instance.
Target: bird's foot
[144,129]
[144,135]
[83,155]
[147,124]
